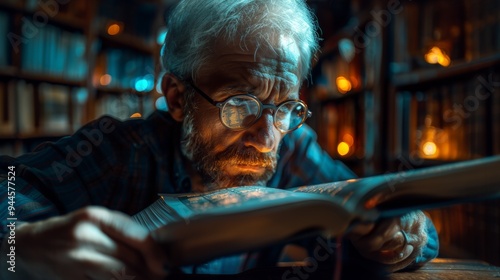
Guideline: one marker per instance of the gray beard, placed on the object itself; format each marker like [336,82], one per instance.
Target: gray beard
[210,165]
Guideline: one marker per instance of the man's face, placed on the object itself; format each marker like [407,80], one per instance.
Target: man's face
[224,157]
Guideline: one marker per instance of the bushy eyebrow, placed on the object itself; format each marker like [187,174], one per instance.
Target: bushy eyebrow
[235,90]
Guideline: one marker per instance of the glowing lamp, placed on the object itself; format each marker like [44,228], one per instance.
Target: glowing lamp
[114,29]
[343,84]
[105,80]
[343,148]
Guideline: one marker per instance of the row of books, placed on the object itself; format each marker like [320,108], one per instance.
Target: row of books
[449,121]
[450,31]
[60,108]
[23,101]
[481,27]
[125,69]
[463,228]
[52,50]
[4,44]
[341,130]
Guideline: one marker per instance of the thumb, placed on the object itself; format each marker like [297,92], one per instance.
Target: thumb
[122,228]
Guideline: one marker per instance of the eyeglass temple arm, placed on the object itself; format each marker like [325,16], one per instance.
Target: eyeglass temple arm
[204,95]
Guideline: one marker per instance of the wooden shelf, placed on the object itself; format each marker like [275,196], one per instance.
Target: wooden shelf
[128,41]
[68,21]
[120,90]
[14,73]
[426,76]
[64,20]
[34,135]
[341,98]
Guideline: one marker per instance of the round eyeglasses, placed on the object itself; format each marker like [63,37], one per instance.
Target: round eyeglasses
[241,111]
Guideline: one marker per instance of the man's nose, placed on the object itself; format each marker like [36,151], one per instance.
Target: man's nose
[262,134]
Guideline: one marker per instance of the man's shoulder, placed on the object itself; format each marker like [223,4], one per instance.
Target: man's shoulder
[301,136]
[157,128]
[110,125]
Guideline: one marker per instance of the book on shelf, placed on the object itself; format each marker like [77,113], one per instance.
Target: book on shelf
[54,101]
[25,107]
[7,105]
[54,51]
[126,69]
[79,97]
[198,227]
[4,44]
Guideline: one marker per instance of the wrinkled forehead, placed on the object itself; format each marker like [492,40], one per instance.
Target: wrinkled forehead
[277,53]
[262,66]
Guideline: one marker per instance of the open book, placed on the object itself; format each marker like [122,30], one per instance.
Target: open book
[195,228]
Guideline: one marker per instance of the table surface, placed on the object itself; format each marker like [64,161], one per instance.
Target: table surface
[451,269]
[438,269]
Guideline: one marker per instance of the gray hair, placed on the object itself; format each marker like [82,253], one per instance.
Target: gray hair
[194,26]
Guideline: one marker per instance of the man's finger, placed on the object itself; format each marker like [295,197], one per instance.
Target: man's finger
[124,230]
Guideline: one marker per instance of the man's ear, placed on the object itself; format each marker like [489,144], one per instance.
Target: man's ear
[173,89]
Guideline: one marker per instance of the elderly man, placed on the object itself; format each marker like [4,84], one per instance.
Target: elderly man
[234,69]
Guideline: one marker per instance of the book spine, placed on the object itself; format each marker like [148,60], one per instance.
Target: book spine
[25,109]
[4,30]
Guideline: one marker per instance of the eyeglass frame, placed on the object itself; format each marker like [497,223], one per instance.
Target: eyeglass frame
[262,107]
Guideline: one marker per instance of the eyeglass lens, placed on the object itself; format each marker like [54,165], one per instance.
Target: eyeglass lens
[240,112]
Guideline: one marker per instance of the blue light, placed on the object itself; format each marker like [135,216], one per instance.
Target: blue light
[141,85]
[151,81]
[162,33]
[161,104]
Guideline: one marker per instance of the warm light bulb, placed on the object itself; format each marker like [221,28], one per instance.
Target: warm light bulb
[444,60]
[431,58]
[105,80]
[429,148]
[436,55]
[343,148]
[114,29]
[343,84]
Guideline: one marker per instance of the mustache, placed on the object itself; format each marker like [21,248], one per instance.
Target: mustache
[234,155]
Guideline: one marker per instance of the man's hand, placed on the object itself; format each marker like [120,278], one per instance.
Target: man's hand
[91,243]
[385,242]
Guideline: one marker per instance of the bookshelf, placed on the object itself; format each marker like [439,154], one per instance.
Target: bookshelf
[344,95]
[444,106]
[66,63]
[429,75]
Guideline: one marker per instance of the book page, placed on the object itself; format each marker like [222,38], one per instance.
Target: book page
[171,208]
[398,193]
